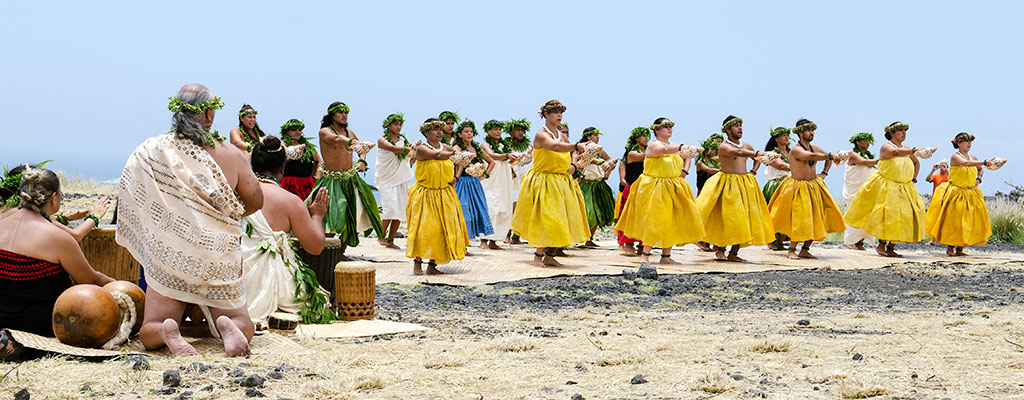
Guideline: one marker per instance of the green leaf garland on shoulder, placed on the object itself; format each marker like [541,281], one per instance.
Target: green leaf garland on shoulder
[865,153]
[396,117]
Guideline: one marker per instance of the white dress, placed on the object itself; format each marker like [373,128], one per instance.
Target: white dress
[268,270]
[852,181]
[772,173]
[393,178]
[501,191]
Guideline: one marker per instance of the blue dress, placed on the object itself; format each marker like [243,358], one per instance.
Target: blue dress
[474,206]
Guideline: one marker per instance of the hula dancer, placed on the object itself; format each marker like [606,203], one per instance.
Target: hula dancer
[471,194]
[596,193]
[450,119]
[520,147]
[957,216]
[500,186]
[860,166]
[888,206]
[551,212]
[801,207]
[732,206]
[633,159]
[353,208]
[248,132]
[661,211]
[393,177]
[302,167]
[775,172]
[437,230]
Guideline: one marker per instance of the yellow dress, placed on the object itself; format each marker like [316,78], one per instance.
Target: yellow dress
[660,210]
[437,230]
[734,212]
[888,205]
[804,210]
[550,211]
[957,215]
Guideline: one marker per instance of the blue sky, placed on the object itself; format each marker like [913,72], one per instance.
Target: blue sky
[84,83]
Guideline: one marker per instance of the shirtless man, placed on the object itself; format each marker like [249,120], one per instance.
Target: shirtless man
[802,207]
[353,209]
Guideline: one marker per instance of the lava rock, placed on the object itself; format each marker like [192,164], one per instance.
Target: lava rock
[197,367]
[164,390]
[85,388]
[139,362]
[737,377]
[244,365]
[250,392]
[913,375]
[172,378]
[858,357]
[757,394]
[638,379]
[647,271]
[275,375]
[765,381]
[283,368]
[575,396]
[580,368]
[184,396]
[629,274]
[208,388]
[22,394]
[236,373]
[252,381]
[570,382]
[804,322]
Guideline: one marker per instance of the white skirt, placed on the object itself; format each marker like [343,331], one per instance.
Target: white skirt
[393,200]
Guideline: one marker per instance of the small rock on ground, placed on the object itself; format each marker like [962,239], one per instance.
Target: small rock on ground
[22,394]
[647,271]
[629,274]
[172,378]
[804,322]
[164,390]
[250,392]
[236,373]
[578,396]
[275,375]
[736,377]
[858,357]
[252,381]
[638,379]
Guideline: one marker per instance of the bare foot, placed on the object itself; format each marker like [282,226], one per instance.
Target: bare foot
[720,255]
[704,247]
[807,254]
[736,258]
[950,252]
[538,260]
[175,343]
[668,260]
[483,244]
[881,250]
[432,269]
[382,242]
[891,252]
[515,240]
[235,343]
[774,247]
[468,254]
[417,267]
[960,252]
[854,247]
[792,256]
[861,247]
[560,253]
[550,261]
[391,245]
[591,244]
[494,246]
[629,253]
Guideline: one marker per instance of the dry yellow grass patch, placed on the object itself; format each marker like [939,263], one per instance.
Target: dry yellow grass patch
[713,383]
[367,383]
[621,359]
[860,389]
[770,347]
[955,323]
[514,345]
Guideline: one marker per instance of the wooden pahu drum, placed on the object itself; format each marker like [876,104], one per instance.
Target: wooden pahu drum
[355,289]
[106,256]
[323,263]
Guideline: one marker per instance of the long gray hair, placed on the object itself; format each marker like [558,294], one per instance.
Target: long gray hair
[185,123]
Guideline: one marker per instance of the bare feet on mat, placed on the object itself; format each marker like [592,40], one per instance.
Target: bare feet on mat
[392,245]
[734,256]
[590,244]
[538,259]
[515,240]
[417,267]
[960,252]
[853,247]
[432,269]
[881,250]
[235,343]
[807,254]
[493,245]
[774,246]
[175,343]
[668,260]
[891,252]
[720,255]
[792,256]
[550,261]
[950,251]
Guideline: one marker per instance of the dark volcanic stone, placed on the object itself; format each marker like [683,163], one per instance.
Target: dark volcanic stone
[252,381]
[803,322]
[638,379]
[184,396]
[85,388]
[22,394]
[275,375]
[736,377]
[236,373]
[139,362]
[858,357]
[577,396]
[164,390]
[172,378]
[283,368]
[250,392]
[629,274]
[647,271]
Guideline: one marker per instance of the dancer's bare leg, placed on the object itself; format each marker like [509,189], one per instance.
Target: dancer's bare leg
[960,252]
[645,255]
[417,266]
[734,254]
[666,256]
[950,251]
[890,251]
[805,252]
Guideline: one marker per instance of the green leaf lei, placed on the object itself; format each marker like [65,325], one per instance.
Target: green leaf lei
[865,153]
[178,106]
[315,306]
[449,115]
[493,124]
[636,133]
[711,143]
[309,154]
[518,146]
[396,117]
[498,145]
[897,126]
[810,126]
[522,123]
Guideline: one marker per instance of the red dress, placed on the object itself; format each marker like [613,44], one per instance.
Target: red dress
[298,177]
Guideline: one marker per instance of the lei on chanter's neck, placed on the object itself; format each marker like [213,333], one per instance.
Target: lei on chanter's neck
[498,145]
[309,154]
[405,143]
[518,145]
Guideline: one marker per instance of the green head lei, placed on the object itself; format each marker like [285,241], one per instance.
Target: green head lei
[338,108]
[446,116]
[711,143]
[428,126]
[396,117]
[177,105]
[776,132]
[896,126]
[12,182]
[247,111]
[635,134]
[594,131]
[666,124]
[522,123]
[728,124]
[493,124]
[563,125]
[291,125]
[807,126]
[863,152]
[466,124]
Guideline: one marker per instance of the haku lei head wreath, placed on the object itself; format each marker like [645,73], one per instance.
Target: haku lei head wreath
[591,131]
[664,124]
[446,116]
[292,125]
[775,132]
[895,127]
[339,108]
[863,136]
[710,144]
[177,105]
[466,124]
[11,183]
[493,124]
[634,135]
[309,152]
[564,125]
[522,123]
[246,110]
[430,125]
[962,137]
[552,106]
[396,117]
[804,125]
[730,121]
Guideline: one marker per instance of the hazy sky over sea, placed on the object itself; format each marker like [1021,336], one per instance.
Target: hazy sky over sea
[83,83]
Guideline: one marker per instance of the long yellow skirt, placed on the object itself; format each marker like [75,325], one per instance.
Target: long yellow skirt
[734,212]
[661,212]
[804,210]
[888,210]
[437,229]
[957,216]
[550,211]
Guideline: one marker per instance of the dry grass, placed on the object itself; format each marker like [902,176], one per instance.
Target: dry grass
[860,389]
[770,347]
[713,383]
[366,383]
[514,345]
[955,323]
[1007,220]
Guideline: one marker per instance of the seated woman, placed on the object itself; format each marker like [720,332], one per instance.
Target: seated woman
[10,200]
[38,260]
[274,276]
